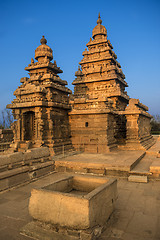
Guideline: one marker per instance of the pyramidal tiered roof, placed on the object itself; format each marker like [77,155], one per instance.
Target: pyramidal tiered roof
[44,80]
[101,76]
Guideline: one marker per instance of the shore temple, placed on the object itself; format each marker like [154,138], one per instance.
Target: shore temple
[97,118]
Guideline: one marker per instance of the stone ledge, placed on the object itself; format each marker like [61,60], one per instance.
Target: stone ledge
[11,178]
[13,172]
[23,157]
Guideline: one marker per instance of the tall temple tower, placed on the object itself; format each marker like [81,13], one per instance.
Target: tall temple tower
[100,118]
[41,105]
[99,96]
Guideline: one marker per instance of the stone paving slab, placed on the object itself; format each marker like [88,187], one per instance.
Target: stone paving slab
[137,213]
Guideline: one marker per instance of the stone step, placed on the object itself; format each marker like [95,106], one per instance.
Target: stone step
[136,178]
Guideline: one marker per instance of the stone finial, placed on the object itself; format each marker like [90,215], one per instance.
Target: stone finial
[32,60]
[99,21]
[43,50]
[99,31]
[79,72]
[43,40]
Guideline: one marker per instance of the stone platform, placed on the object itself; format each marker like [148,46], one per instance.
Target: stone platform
[116,163]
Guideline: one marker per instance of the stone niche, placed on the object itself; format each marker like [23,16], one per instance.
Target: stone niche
[75,202]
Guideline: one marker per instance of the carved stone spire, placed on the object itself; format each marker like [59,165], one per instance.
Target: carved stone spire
[99,21]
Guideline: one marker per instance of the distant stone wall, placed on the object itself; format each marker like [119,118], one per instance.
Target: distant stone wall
[6,137]
[144,126]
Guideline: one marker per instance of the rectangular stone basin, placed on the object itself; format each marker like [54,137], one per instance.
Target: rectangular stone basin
[76,202]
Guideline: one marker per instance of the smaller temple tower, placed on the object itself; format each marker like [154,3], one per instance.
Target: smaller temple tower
[41,105]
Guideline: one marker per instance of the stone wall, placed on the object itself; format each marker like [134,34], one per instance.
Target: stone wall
[138,126]
[93,133]
[6,137]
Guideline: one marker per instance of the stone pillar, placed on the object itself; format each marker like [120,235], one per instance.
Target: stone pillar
[40,127]
[36,123]
[16,126]
[132,134]
[50,124]
[23,128]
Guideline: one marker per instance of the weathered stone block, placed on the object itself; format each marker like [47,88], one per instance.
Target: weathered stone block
[36,153]
[11,158]
[141,179]
[155,167]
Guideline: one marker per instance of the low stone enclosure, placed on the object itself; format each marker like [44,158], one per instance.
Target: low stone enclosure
[78,206]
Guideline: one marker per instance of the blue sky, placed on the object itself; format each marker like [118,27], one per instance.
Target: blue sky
[133,28]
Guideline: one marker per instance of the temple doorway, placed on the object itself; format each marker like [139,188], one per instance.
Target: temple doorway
[29,125]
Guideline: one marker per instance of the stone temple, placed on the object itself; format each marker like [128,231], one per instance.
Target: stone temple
[98,118]
[42,104]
